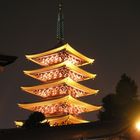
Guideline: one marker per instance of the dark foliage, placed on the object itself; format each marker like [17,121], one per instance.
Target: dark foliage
[123,105]
[126,88]
[34,121]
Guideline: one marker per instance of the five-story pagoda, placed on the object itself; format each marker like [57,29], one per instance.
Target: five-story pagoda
[61,74]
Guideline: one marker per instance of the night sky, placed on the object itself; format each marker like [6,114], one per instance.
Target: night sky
[106,30]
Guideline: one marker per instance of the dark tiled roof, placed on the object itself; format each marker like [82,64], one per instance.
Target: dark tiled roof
[68,132]
[6,59]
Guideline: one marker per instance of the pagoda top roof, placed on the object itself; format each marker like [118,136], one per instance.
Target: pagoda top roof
[66,47]
[67,99]
[6,59]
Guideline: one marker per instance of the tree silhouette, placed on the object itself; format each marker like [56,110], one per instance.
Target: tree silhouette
[126,88]
[123,105]
[34,121]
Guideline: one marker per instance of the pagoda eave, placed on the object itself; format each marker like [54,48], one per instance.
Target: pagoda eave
[57,121]
[66,101]
[65,69]
[64,83]
[65,120]
[67,64]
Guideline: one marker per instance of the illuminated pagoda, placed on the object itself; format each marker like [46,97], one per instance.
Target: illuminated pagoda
[60,73]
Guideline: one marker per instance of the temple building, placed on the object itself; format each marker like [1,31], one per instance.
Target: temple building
[60,74]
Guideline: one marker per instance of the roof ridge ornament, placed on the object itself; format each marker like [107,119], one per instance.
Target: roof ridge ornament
[60,22]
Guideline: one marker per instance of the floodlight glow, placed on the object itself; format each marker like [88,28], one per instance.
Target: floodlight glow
[137,125]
